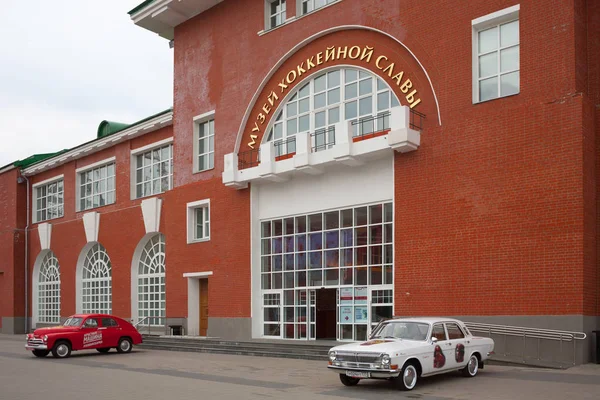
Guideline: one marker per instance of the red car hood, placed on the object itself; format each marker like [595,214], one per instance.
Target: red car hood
[55,329]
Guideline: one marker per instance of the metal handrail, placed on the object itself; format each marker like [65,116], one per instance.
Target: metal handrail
[325,132]
[536,333]
[135,325]
[529,333]
[282,146]
[371,118]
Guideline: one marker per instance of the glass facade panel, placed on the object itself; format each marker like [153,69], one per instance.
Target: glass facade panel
[338,249]
[498,61]
[331,97]
[151,281]
[96,282]
[49,290]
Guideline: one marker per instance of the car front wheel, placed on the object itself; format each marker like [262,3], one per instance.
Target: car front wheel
[407,380]
[41,353]
[61,349]
[348,380]
[472,367]
[124,345]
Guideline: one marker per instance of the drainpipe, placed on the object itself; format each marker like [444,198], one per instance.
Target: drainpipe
[27,261]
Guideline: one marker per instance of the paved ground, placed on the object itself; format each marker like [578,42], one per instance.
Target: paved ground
[150,374]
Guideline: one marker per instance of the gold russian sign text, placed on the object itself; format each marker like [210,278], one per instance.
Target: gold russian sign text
[365,54]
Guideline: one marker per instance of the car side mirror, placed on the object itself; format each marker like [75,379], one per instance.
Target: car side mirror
[434,340]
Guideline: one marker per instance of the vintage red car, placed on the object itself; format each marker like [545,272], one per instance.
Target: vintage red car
[84,332]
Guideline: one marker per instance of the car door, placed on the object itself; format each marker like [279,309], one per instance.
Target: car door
[91,337]
[456,342]
[111,332]
[442,350]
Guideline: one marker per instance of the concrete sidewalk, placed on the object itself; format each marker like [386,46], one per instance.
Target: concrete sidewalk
[150,374]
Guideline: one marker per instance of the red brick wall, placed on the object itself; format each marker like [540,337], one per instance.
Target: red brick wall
[121,225]
[597,133]
[12,244]
[8,224]
[593,61]
[491,207]
[493,210]
[226,254]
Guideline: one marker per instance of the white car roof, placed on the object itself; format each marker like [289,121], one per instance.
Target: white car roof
[427,320]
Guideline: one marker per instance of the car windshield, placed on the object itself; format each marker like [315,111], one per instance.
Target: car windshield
[73,321]
[402,330]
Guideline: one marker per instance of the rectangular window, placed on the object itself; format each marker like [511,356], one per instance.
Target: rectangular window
[307,6]
[202,222]
[496,60]
[154,171]
[206,145]
[276,12]
[198,215]
[49,201]
[97,187]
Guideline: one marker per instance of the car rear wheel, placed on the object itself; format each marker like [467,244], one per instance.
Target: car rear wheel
[104,350]
[348,380]
[41,353]
[407,380]
[472,367]
[61,349]
[124,345]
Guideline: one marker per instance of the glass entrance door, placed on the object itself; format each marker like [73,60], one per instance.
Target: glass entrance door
[272,313]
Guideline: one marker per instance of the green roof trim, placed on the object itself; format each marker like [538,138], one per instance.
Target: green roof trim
[141,6]
[108,128]
[113,127]
[36,158]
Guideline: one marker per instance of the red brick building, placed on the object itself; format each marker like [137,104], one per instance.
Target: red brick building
[327,164]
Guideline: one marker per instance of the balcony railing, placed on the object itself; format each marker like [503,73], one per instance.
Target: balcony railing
[416,120]
[345,142]
[323,139]
[371,126]
[248,159]
[285,148]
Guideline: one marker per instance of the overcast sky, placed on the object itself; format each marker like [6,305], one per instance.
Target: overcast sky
[66,65]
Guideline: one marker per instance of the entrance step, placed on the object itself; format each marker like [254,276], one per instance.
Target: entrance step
[283,349]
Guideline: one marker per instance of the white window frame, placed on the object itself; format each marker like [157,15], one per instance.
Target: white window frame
[299,6]
[133,166]
[312,112]
[268,14]
[96,290]
[191,221]
[48,292]
[199,120]
[482,23]
[150,287]
[34,188]
[80,171]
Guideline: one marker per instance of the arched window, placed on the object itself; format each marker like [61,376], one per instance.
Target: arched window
[346,94]
[96,281]
[49,290]
[151,281]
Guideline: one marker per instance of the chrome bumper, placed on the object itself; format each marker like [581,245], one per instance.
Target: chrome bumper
[36,346]
[373,373]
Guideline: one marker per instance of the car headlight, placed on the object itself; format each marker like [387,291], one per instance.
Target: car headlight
[332,355]
[45,338]
[385,359]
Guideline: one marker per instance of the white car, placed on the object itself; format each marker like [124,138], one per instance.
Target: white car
[405,349]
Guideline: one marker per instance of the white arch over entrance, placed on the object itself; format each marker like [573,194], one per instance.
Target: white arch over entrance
[305,42]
